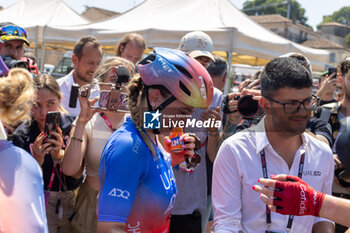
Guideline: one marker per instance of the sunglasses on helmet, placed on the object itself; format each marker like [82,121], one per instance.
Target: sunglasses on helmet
[13,30]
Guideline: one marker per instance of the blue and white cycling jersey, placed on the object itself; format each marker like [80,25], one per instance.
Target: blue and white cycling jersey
[135,188]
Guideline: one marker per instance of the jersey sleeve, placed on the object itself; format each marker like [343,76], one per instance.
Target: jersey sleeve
[121,169]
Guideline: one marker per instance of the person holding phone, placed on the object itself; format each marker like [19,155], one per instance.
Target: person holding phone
[48,150]
[328,83]
[89,135]
[19,173]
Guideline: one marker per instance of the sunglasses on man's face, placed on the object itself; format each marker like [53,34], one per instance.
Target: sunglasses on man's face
[13,31]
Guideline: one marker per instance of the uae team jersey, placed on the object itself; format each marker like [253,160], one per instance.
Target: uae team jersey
[135,188]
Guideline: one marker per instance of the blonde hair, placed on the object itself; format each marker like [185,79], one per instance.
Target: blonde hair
[17,93]
[109,63]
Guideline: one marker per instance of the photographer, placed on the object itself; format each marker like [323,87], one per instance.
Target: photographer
[14,38]
[327,87]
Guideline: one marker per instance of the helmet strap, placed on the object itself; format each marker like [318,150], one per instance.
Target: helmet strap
[160,107]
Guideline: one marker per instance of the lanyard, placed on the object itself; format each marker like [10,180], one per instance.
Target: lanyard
[53,176]
[107,121]
[300,174]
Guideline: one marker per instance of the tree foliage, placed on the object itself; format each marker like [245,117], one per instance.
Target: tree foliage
[340,16]
[276,7]
[347,40]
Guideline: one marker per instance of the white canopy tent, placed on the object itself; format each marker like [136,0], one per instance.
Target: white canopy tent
[164,22]
[31,14]
[35,15]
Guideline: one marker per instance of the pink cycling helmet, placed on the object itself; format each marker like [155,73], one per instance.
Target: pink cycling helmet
[185,78]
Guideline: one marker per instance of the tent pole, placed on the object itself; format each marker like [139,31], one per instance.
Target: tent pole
[229,71]
[36,49]
[42,60]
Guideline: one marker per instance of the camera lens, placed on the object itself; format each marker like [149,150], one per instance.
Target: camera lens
[247,106]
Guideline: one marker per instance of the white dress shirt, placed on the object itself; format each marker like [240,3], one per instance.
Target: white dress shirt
[65,84]
[237,207]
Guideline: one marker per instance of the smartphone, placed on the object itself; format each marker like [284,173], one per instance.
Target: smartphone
[73,98]
[123,101]
[114,99]
[332,70]
[104,99]
[84,90]
[53,119]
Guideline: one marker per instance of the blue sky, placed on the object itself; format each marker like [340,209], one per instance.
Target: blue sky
[315,9]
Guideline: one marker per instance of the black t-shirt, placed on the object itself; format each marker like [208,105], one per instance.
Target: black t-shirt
[333,118]
[320,127]
[24,137]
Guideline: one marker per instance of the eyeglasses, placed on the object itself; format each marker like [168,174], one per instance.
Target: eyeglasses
[13,31]
[294,106]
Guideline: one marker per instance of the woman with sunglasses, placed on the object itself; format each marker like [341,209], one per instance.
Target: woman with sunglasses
[89,135]
[137,185]
[48,150]
[21,188]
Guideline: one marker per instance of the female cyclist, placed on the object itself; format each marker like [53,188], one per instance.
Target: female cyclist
[137,185]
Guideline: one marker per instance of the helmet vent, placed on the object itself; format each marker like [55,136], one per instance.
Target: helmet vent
[149,59]
[184,71]
[184,88]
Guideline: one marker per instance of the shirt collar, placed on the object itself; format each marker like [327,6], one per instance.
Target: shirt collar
[260,136]
[3,135]
[70,79]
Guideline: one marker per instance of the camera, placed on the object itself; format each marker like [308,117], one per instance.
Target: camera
[246,106]
[12,63]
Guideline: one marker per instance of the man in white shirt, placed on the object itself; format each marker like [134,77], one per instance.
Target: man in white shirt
[87,55]
[277,145]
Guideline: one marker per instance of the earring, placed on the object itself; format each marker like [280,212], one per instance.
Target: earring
[152,104]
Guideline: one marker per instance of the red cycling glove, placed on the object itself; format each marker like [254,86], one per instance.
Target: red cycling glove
[297,198]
